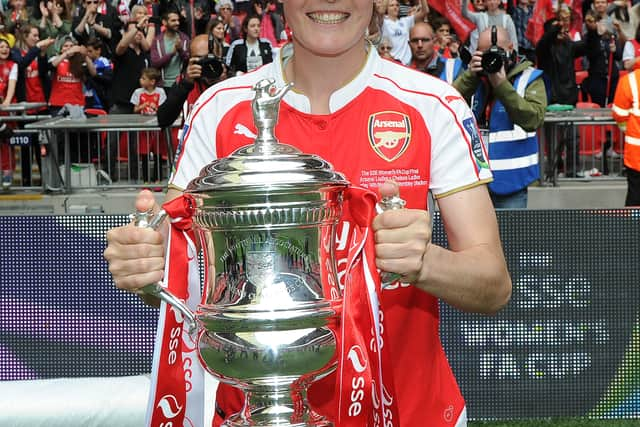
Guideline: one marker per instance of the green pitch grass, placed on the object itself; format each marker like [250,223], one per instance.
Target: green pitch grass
[563,422]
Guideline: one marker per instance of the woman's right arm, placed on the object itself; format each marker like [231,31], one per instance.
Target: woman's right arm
[136,255]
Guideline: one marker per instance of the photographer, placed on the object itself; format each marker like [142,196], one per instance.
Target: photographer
[202,71]
[509,99]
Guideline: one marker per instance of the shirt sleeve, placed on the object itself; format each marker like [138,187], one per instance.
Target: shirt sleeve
[13,74]
[458,154]
[135,97]
[163,95]
[628,52]
[197,145]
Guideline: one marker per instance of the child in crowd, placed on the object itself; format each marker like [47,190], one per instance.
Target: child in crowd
[8,80]
[146,100]
[98,81]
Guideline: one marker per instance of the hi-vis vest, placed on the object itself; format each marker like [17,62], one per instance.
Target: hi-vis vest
[451,70]
[626,109]
[513,152]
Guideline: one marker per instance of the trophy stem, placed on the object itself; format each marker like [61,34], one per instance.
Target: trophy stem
[282,406]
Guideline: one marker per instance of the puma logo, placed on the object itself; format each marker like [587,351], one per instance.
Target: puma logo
[244,131]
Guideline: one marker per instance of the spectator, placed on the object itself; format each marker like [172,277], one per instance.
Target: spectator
[478,5]
[5,34]
[397,29]
[251,52]
[374,32]
[169,50]
[8,80]
[99,77]
[425,58]
[521,15]
[129,61]
[146,100]
[219,46]
[68,72]
[384,49]
[602,78]
[97,19]
[233,27]
[272,25]
[55,21]
[18,14]
[556,52]
[625,112]
[492,15]
[510,103]
[30,56]
[141,17]
[33,85]
[600,7]
[631,53]
[445,43]
[193,82]
[194,15]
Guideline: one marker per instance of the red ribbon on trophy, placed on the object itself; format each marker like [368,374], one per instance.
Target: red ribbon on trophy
[365,381]
[177,383]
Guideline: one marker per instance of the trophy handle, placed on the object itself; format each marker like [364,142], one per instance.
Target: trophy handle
[389,203]
[149,220]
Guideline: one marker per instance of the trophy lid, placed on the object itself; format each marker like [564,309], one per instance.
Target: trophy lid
[266,164]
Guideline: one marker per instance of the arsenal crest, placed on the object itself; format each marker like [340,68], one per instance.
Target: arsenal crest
[389,134]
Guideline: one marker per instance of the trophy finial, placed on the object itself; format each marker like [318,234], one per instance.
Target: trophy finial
[265,107]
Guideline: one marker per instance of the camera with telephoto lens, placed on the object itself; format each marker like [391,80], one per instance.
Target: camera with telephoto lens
[495,57]
[212,66]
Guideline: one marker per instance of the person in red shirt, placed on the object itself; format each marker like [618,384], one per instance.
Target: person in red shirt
[8,80]
[146,100]
[33,85]
[344,119]
[66,84]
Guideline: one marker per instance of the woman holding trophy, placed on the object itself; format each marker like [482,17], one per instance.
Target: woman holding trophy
[386,128]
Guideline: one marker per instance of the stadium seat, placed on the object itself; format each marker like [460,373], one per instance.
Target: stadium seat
[580,77]
[591,136]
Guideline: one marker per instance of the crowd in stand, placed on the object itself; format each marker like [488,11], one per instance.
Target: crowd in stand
[126,56]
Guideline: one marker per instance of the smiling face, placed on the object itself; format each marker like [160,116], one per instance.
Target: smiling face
[172,22]
[326,28]
[32,38]
[218,31]
[4,49]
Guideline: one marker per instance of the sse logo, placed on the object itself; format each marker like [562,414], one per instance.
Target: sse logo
[359,363]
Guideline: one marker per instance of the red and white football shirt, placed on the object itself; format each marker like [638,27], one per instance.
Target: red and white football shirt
[390,122]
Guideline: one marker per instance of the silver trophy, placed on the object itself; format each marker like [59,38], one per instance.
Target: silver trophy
[267,217]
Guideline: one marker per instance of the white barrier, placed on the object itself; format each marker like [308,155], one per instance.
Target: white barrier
[71,402]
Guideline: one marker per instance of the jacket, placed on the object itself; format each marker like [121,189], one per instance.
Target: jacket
[626,111]
[517,108]
[237,55]
[556,59]
[160,58]
[23,62]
